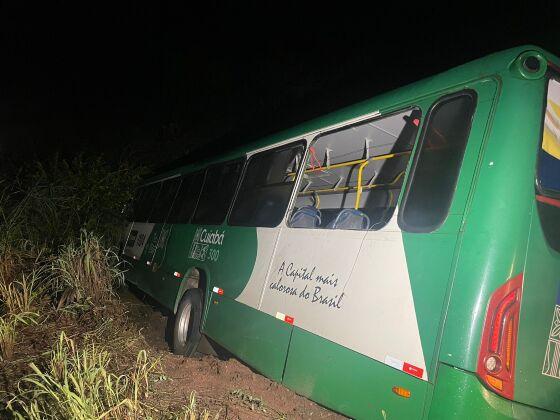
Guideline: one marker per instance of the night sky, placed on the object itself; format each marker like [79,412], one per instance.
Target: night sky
[157,82]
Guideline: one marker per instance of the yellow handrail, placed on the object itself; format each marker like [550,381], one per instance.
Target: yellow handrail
[341,189]
[360,186]
[354,162]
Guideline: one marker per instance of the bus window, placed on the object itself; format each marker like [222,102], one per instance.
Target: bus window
[187,197]
[267,187]
[164,200]
[136,201]
[548,179]
[217,193]
[436,167]
[548,172]
[143,208]
[354,175]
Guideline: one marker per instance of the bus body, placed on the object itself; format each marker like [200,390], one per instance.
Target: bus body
[396,259]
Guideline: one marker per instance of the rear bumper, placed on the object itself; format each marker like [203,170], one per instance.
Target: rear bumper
[460,395]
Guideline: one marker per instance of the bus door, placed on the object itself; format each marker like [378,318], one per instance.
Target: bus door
[240,257]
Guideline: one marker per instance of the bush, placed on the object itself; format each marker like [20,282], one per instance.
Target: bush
[87,271]
[51,203]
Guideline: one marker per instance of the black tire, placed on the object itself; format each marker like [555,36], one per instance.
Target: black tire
[186,331]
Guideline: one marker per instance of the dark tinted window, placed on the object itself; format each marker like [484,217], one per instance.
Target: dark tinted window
[145,203]
[165,200]
[186,199]
[438,162]
[217,193]
[266,187]
[135,206]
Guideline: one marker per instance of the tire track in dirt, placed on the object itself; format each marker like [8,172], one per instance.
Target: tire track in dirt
[222,385]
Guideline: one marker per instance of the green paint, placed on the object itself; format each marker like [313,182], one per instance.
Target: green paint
[540,291]
[349,382]
[492,233]
[459,395]
[258,339]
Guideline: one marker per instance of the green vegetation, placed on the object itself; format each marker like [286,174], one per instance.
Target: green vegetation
[67,349]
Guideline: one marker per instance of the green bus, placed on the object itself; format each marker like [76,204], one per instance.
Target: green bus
[399,258]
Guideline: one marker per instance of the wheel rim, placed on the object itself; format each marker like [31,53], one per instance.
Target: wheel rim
[183,329]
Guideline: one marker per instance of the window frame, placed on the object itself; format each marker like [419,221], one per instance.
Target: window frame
[163,181]
[341,127]
[414,164]
[285,145]
[551,75]
[243,161]
[184,176]
[146,186]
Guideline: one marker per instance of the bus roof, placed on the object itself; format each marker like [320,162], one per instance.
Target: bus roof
[483,67]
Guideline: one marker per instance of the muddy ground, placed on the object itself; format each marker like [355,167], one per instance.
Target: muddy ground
[222,384]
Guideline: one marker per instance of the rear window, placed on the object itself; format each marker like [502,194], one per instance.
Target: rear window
[548,169]
[438,162]
[217,193]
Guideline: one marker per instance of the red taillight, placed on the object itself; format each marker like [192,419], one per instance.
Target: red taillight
[496,359]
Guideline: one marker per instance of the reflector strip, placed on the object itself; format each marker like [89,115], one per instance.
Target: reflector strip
[286,318]
[404,366]
[218,290]
[177,274]
[401,392]
[496,334]
[412,370]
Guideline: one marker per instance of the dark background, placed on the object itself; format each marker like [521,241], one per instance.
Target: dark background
[158,82]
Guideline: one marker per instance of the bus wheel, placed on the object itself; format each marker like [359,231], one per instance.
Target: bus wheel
[186,332]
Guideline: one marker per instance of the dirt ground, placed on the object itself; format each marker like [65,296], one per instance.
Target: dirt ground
[222,384]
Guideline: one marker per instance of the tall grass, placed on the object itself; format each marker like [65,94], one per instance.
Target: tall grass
[87,271]
[192,412]
[8,332]
[79,384]
[24,295]
[59,225]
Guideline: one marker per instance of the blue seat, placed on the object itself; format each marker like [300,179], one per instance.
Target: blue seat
[306,217]
[351,219]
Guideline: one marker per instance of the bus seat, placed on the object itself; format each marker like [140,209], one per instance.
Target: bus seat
[306,217]
[350,219]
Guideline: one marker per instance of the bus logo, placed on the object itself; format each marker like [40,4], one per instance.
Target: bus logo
[201,245]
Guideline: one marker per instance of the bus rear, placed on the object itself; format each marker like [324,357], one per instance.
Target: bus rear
[500,352]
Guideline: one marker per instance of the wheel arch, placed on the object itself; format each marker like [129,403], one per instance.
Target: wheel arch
[196,278]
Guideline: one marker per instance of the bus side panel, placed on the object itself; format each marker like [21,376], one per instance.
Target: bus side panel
[172,257]
[538,348]
[252,336]
[429,258]
[349,382]
[458,394]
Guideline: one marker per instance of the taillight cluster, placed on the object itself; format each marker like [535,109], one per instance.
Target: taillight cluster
[496,359]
